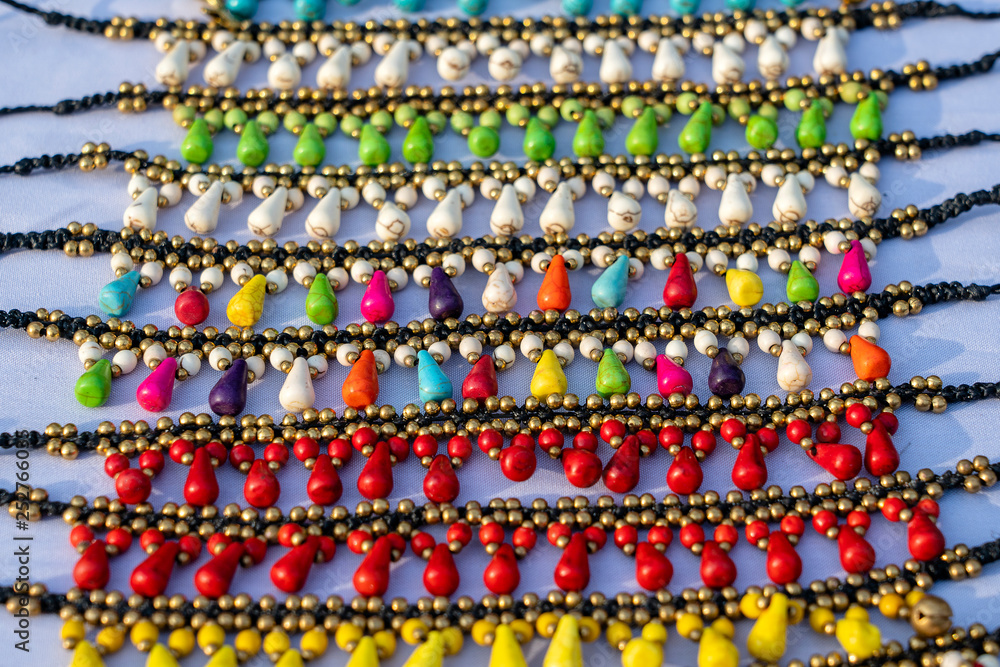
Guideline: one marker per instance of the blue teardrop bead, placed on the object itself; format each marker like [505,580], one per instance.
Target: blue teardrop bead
[626,7]
[242,9]
[685,6]
[577,7]
[434,384]
[609,290]
[310,10]
[116,297]
[473,7]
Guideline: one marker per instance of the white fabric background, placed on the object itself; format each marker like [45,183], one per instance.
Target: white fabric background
[957,342]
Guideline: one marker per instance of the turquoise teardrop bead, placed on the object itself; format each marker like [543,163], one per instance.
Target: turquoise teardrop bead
[577,7]
[433,383]
[310,10]
[473,7]
[116,297]
[609,289]
[243,10]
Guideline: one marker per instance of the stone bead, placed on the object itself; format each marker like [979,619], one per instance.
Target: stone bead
[612,378]
[672,378]
[588,140]
[242,10]
[680,212]
[863,198]
[445,221]
[392,223]
[309,150]
[116,297]
[418,146]
[197,145]
[565,66]
[203,216]
[297,393]
[394,68]
[866,123]
[794,373]
[854,274]
[564,647]
[252,149]
[483,141]
[310,10]
[229,395]
[141,213]
[745,287]
[94,386]
[735,207]
[247,305]
[772,59]
[222,70]
[668,65]
[548,377]
[616,66]
[558,216]
[811,131]
[539,144]
[481,382]
[433,384]
[802,285]
[643,138]
[857,635]
[154,393]
[377,305]
[443,299]
[609,289]
[624,212]
[266,218]
[85,655]
[323,222]
[716,648]
[680,291]
[725,378]
[172,70]
[335,73]
[506,651]
[361,385]
[499,295]
[554,292]
[870,361]
[697,132]
[321,302]
[373,148]
[790,203]
[365,654]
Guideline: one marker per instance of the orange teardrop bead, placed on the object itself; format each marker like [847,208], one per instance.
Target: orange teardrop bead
[361,385]
[554,294]
[870,361]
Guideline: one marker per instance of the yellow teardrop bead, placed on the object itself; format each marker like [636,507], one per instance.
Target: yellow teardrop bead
[160,656]
[642,653]
[716,649]
[290,658]
[428,654]
[224,657]
[548,377]
[766,640]
[85,655]
[858,637]
[365,655]
[745,287]
[564,649]
[247,305]
[506,650]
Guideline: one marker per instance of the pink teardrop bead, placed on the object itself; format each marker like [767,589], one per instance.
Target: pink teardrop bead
[854,274]
[377,305]
[155,392]
[671,378]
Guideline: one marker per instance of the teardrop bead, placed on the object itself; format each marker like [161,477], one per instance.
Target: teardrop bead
[685,475]
[373,148]
[297,393]
[811,131]
[309,149]
[229,395]
[375,479]
[445,221]
[582,468]
[94,386]
[201,488]
[745,287]
[502,575]
[441,483]
[214,577]
[609,289]
[261,488]
[499,295]
[441,576]
[642,652]
[866,123]
[735,207]
[173,69]
[154,393]
[324,486]
[794,373]
[433,384]
[361,385]
[252,149]
[292,657]
[766,640]
[160,656]
[881,456]
[321,302]
[141,213]
[856,554]
[365,654]
[624,212]
[588,140]
[863,198]
[506,651]
[372,576]
[222,70]
[191,307]
[761,132]
[725,378]
[653,570]
[224,657]
[481,382]
[539,144]
[564,647]
[197,145]
[247,305]
[621,474]
[854,274]
[716,648]
[203,216]
[554,292]
[548,377]
[418,146]
[672,378]
[323,222]
[507,217]
[151,576]
[85,655]
[377,305]
[643,139]
[668,64]
[266,219]
[558,216]
[841,461]
[92,571]
[616,66]
[870,361]
[290,572]
[717,568]
[857,636]
[680,291]
[573,569]
[612,378]
[801,285]
[697,132]
[116,297]
[680,211]
[784,565]
[443,299]
[335,73]
[923,537]
[749,470]
[430,653]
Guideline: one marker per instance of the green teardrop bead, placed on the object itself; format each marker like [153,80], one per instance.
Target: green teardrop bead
[866,123]
[761,132]
[612,378]
[253,148]
[309,151]
[321,302]
[643,139]
[483,141]
[539,144]
[418,147]
[588,140]
[697,132]
[811,132]
[94,386]
[197,145]
[373,149]
[802,285]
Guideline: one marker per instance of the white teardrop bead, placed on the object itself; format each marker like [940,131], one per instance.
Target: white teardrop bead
[863,198]
[203,216]
[394,69]
[335,73]
[445,220]
[789,203]
[680,212]
[265,220]
[565,66]
[794,373]
[499,295]
[392,222]
[141,213]
[172,70]
[297,393]
[453,64]
[668,65]
[735,207]
[558,215]
[504,64]
[507,218]
[616,67]
[772,59]
[222,70]
[323,221]
[727,65]
[284,73]
[624,212]
[830,58]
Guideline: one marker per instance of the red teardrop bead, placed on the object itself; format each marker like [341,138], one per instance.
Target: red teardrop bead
[680,290]
[372,576]
[717,568]
[324,486]
[881,457]
[214,577]
[502,575]
[289,574]
[201,488]
[923,537]
[262,487]
[856,555]
[653,570]
[441,482]
[441,575]
[151,576]
[783,563]
[92,570]
[685,475]
[750,471]
[518,463]
[481,382]
[375,480]
[573,569]
[582,468]
[191,307]
[841,461]
[621,474]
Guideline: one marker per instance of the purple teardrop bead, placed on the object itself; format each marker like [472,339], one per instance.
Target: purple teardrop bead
[443,300]
[229,395]
[725,378]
